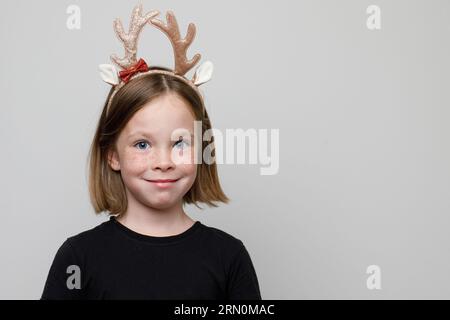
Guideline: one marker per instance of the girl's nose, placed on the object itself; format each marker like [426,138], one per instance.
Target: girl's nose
[162,160]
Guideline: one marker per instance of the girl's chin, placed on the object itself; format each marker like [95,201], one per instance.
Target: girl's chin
[163,203]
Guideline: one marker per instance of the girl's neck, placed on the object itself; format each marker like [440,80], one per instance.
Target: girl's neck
[155,222]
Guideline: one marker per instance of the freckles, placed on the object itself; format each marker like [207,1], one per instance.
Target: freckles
[136,162]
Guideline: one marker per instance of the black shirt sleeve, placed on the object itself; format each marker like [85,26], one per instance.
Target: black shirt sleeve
[64,278]
[243,282]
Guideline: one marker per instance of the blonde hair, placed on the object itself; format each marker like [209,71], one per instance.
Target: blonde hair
[106,187]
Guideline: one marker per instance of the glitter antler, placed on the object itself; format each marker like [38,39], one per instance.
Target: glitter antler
[180,46]
[130,39]
[131,66]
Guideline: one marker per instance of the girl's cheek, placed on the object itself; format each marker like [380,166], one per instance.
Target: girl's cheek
[183,156]
[189,167]
[135,162]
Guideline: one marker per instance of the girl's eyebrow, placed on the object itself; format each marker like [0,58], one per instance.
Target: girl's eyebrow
[139,133]
[148,135]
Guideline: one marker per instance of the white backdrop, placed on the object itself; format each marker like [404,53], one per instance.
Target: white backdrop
[364,176]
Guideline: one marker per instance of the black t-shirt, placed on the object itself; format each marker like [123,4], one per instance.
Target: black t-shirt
[112,261]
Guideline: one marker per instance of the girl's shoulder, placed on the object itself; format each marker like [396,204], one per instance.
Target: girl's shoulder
[226,242]
[222,236]
[96,233]
[90,240]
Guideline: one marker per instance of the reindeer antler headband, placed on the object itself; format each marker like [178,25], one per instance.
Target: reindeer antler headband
[131,68]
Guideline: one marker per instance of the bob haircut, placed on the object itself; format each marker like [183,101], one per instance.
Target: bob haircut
[106,187]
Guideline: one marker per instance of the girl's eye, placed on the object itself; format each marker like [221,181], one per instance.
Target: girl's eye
[140,144]
[180,143]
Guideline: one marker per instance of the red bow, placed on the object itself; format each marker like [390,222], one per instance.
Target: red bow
[126,74]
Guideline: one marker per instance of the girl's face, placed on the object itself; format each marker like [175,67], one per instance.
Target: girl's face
[157,143]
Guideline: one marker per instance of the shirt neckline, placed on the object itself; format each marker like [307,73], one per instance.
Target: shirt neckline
[153,239]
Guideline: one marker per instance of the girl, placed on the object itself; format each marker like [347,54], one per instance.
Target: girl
[142,172]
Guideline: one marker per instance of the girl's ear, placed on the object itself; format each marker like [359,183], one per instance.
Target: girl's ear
[203,73]
[113,160]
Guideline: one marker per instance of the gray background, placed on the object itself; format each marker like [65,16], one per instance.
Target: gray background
[364,137]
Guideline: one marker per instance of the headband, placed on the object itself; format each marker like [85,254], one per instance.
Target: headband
[131,68]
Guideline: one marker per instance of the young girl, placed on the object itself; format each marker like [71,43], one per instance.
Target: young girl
[142,172]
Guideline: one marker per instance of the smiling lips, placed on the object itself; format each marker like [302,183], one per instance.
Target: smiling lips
[163,183]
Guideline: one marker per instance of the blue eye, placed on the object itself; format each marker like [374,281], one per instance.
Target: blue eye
[141,143]
[180,143]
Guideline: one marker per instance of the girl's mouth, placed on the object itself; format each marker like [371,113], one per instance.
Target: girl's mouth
[163,183]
